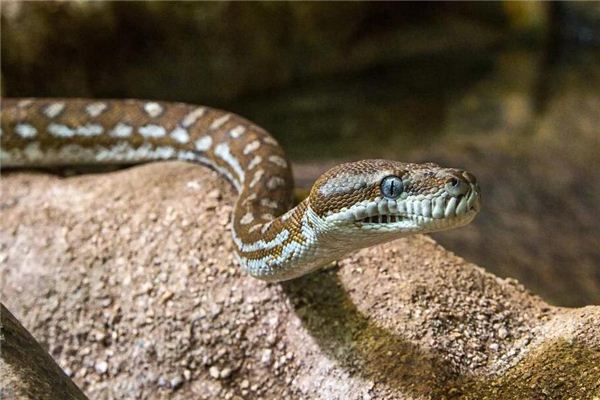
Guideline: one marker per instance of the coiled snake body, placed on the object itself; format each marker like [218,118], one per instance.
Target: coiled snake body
[351,206]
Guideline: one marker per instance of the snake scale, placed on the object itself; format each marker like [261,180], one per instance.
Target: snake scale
[351,206]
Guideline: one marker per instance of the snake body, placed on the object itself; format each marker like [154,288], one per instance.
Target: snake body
[351,206]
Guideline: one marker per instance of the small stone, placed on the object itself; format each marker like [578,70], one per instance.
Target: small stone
[214,372]
[502,333]
[176,382]
[494,346]
[101,367]
[225,373]
[266,356]
[162,382]
[245,384]
[187,374]
[106,302]
[214,194]
[166,297]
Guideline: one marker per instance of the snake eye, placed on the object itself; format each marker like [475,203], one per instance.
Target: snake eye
[391,187]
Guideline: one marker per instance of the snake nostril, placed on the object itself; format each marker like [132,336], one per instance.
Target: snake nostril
[452,181]
[457,186]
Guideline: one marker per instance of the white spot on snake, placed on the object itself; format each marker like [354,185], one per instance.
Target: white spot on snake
[275,182]
[60,130]
[152,131]
[254,162]
[269,203]
[268,216]
[124,152]
[203,143]
[266,227]
[90,130]
[222,150]
[180,135]
[250,147]
[164,152]
[95,109]
[254,228]
[249,198]
[278,161]
[192,117]
[32,152]
[261,244]
[257,177]
[63,131]
[54,109]
[217,123]
[287,215]
[246,219]
[25,130]
[192,156]
[153,109]
[121,130]
[25,103]
[270,140]
[237,131]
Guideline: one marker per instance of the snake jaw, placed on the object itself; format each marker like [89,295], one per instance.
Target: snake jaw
[411,214]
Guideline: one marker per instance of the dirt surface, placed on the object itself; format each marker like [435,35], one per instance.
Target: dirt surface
[129,279]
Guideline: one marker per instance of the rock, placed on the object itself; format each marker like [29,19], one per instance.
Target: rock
[417,322]
[27,370]
[101,367]
[214,372]
[176,382]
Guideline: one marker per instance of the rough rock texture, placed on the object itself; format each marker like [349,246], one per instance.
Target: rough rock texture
[26,369]
[129,279]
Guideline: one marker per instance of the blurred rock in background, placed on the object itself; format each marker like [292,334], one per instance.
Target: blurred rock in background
[508,90]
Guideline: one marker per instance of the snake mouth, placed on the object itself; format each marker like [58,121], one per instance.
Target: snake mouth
[381,219]
[440,209]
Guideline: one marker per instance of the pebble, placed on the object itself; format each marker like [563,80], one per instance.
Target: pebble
[176,382]
[214,372]
[101,367]
[266,356]
[502,333]
[187,374]
[225,373]
[166,297]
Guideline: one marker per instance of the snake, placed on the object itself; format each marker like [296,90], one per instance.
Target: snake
[351,206]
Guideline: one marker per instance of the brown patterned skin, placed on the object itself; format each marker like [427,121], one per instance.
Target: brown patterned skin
[272,241]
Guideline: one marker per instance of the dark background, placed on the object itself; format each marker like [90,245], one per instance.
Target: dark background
[507,90]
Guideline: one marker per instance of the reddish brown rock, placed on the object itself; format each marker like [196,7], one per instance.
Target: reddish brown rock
[130,280]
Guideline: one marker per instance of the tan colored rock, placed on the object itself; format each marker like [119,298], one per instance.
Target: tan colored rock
[88,261]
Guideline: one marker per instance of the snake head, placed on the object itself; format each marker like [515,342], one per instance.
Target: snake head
[380,200]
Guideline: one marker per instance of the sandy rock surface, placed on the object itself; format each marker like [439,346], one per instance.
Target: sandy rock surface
[129,279]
